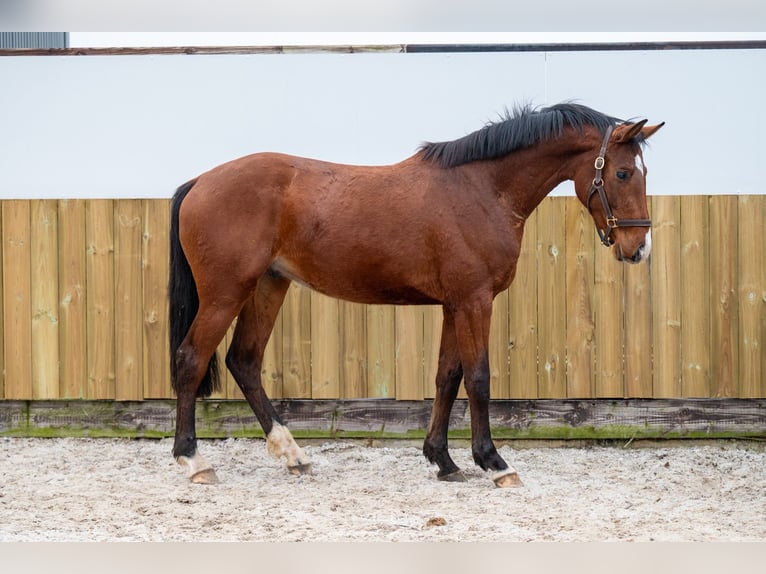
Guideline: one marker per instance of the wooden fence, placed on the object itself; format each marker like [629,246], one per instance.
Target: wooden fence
[84,311]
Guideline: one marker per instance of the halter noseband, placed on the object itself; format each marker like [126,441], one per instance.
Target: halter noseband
[598,187]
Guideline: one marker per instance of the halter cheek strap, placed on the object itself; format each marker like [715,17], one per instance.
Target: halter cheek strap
[597,187]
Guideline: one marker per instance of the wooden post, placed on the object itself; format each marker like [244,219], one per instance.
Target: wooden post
[580,327]
[156,344]
[666,291]
[325,368]
[99,224]
[45,295]
[381,354]
[296,347]
[724,313]
[128,309]
[695,297]
[72,280]
[17,303]
[522,324]
[752,289]
[551,298]
[409,352]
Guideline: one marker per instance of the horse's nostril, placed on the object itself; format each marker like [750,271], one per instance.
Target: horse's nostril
[638,254]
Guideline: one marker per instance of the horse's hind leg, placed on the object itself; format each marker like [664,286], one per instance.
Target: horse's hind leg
[192,358]
[448,377]
[244,360]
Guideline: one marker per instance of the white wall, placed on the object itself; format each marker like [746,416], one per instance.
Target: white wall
[138,126]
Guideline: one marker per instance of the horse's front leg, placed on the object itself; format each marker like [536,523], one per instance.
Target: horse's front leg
[448,377]
[472,323]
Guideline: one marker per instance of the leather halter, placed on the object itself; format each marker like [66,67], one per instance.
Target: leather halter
[597,187]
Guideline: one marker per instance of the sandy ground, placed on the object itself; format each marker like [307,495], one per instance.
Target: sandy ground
[132,490]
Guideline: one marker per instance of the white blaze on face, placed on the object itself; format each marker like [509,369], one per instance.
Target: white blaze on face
[640,164]
[647,248]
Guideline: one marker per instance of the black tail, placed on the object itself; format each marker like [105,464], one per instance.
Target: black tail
[184,301]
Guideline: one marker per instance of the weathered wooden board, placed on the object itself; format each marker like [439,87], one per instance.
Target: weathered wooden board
[387,418]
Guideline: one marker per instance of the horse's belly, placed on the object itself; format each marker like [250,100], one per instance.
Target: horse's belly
[361,286]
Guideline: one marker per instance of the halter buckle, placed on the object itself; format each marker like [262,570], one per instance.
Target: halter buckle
[612,222]
[599,163]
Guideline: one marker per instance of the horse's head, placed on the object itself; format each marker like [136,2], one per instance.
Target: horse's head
[614,191]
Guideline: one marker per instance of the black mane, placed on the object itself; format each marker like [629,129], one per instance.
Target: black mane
[523,128]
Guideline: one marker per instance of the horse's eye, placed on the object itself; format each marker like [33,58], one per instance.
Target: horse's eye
[622,175]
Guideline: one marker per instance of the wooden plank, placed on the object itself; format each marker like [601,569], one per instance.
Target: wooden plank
[381,351]
[724,336]
[128,310]
[73,342]
[623,420]
[229,388]
[695,297]
[296,346]
[353,349]
[99,230]
[409,352]
[638,330]
[272,377]
[522,323]
[17,302]
[2,308]
[666,289]
[551,298]
[155,260]
[750,261]
[45,295]
[432,332]
[325,342]
[609,322]
[499,349]
[579,296]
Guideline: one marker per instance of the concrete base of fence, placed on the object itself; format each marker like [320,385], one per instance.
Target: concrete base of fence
[598,419]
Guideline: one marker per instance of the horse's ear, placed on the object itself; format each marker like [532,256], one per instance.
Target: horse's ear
[626,132]
[649,131]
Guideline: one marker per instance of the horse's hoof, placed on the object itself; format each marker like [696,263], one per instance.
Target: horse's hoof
[206,476]
[507,479]
[456,476]
[300,469]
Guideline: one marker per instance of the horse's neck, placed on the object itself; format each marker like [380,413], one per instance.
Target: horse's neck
[527,176]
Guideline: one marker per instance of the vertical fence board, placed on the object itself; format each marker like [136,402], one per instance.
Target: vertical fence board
[666,290]
[409,352]
[99,229]
[638,331]
[751,305]
[73,342]
[522,323]
[580,329]
[272,370]
[695,297]
[723,309]
[381,351]
[2,307]
[432,331]
[156,344]
[16,299]
[353,350]
[608,320]
[325,367]
[499,381]
[551,298]
[45,305]
[128,296]
[296,347]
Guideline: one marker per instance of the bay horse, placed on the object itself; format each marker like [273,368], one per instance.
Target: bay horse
[443,227]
